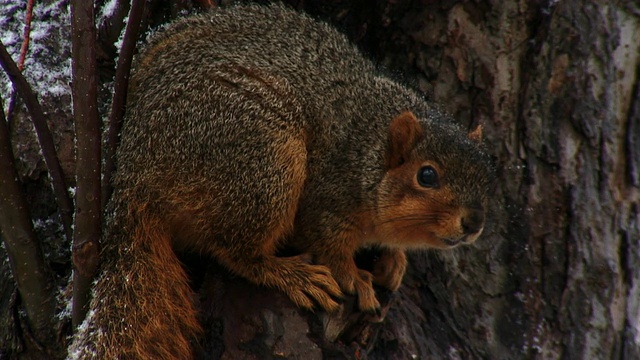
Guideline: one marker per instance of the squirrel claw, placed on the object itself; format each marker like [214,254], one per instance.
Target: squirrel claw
[374,311]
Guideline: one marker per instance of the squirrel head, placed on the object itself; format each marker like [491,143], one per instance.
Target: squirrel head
[435,190]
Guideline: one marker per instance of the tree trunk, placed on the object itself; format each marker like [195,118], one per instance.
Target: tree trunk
[555,275]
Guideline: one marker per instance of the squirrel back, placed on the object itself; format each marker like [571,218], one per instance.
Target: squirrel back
[255,127]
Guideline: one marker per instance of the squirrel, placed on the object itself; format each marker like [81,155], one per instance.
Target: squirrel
[254,127]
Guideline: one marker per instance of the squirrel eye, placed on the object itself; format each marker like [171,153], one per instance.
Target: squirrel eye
[428,177]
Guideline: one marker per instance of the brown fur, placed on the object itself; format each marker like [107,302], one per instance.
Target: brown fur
[476,134]
[389,268]
[411,218]
[139,313]
[404,133]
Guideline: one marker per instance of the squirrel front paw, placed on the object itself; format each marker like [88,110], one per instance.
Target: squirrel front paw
[389,269]
[360,283]
[310,285]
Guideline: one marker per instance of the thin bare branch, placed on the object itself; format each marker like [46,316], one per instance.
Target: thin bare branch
[26,37]
[120,93]
[44,137]
[110,28]
[85,112]
[28,267]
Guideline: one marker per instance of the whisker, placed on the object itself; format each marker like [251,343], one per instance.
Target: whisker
[416,219]
[412,225]
[378,207]
[374,208]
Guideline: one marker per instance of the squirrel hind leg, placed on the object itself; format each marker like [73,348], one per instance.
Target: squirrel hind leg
[248,221]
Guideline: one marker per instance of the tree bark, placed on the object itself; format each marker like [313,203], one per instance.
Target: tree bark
[30,272]
[88,215]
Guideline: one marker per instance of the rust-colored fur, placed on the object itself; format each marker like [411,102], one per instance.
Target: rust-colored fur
[151,313]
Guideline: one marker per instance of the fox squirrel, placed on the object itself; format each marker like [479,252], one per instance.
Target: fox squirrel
[254,127]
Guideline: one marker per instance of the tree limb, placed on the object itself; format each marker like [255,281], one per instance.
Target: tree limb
[120,93]
[28,267]
[85,112]
[110,28]
[44,137]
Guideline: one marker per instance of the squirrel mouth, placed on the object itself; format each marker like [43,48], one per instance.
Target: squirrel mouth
[465,239]
[451,242]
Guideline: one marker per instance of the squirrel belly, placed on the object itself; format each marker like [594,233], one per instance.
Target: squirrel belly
[252,128]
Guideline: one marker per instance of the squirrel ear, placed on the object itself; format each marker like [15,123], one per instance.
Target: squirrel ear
[405,131]
[476,134]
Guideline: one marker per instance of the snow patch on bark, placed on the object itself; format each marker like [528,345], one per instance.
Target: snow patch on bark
[47,66]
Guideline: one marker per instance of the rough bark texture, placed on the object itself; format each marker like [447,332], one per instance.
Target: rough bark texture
[87,219]
[28,266]
[556,86]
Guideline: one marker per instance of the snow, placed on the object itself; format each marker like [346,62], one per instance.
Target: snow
[118,43]
[78,352]
[65,313]
[107,11]
[42,225]
[48,61]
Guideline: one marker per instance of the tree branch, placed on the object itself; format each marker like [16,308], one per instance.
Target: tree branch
[44,137]
[85,112]
[28,267]
[120,93]
[110,28]
[26,36]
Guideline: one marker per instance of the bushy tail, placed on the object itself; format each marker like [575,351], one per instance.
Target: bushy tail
[142,306]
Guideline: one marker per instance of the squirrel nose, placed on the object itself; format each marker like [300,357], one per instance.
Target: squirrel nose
[472,221]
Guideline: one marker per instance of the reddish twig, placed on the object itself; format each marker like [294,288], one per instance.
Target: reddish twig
[44,137]
[120,93]
[26,37]
[88,146]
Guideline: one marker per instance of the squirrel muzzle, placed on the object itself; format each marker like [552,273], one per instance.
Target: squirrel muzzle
[420,201]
